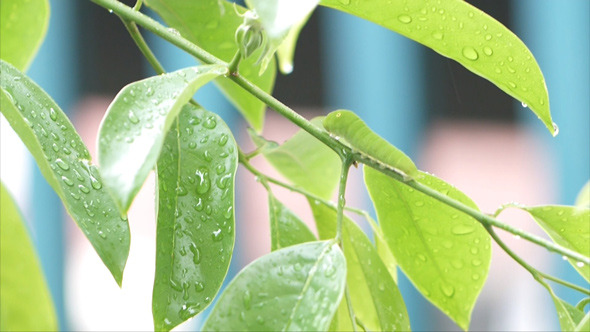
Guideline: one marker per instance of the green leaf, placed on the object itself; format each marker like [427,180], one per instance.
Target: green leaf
[459,31]
[286,229]
[279,19]
[195,233]
[25,302]
[212,24]
[569,316]
[297,288]
[584,324]
[446,254]
[568,226]
[65,163]
[135,124]
[583,199]
[341,320]
[23,25]
[375,297]
[307,162]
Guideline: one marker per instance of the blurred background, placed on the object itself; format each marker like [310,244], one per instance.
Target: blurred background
[453,123]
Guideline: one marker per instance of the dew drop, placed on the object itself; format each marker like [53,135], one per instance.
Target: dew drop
[62,164]
[67,181]
[404,19]
[470,53]
[247,299]
[52,114]
[223,140]
[196,253]
[476,262]
[217,235]
[488,51]
[422,257]
[210,123]
[512,85]
[133,118]
[524,104]
[462,229]
[199,287]
[438,35]
[83,189]
[447,290]
[204,183]
[102,235]
[555,129]
[419,203]
[580,264]
[475,276]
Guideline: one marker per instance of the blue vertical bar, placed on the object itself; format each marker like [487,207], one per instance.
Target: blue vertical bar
[377,74]
[54,69]
[557,34]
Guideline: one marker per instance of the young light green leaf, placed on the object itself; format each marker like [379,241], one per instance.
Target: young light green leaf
[444,253]
[375,297]
[65,163]
[286,229]
[286,50]
[297,288]
[459,31]
[23,25]
[568,226]
[583,199]
[306,162]
[212,24]
[25,302]
[195,233]
[569,316]
[348,126]
[279,18]
[135,125]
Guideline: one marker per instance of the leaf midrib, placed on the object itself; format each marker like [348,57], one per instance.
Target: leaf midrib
[307,284]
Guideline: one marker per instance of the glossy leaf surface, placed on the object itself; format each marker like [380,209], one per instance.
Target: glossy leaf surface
[65,163]
[568,226]
[25,301]
[446,254]
[583,199]
[279,18]
[133,129]
[459,31]
[307,163]
[292,289]
[23,25]
[195,233]
[286,229]
[375,297]
[211,24]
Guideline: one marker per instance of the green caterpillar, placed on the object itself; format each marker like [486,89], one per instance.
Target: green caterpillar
[347,125]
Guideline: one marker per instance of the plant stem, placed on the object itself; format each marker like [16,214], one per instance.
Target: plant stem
[234,63]
[349,306]
[148,23]
[538,275]
[143,46]
[346,162]
[152,25]
[565,283]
